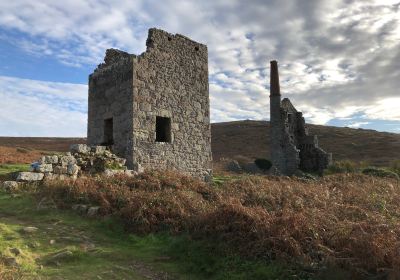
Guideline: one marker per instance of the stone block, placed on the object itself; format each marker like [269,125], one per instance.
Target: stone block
[60,169]
[80,149]
[43,167]
[113,172]
[52,176]
[48,159]
[93,211]
[29,176]
[10,186]
[34,165]
[130,173]
[120,161]
[72,169]
[66,160]
[98,149]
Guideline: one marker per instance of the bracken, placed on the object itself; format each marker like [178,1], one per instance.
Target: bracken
[349,220]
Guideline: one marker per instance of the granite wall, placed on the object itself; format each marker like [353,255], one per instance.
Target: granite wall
[159,104]
[291,146]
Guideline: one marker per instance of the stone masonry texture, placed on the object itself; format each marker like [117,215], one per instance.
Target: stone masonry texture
[291,146]
[153,109]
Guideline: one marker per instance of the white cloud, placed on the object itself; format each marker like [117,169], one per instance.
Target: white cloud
[37,108]
[337,57]
[357,124]
[385,109]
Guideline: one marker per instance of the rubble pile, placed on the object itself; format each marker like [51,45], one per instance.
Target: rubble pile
[82,159]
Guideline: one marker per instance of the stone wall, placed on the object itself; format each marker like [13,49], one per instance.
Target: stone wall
[110,97]
[284,154]
[291,146]
[171,80]
[168,82]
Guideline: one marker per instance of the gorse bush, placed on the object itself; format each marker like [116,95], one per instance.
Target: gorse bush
[379,172]
[263,164]
[346,220]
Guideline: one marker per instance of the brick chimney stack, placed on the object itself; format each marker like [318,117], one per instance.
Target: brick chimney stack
[275,89]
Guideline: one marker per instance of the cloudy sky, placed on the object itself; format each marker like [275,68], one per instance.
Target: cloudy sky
[339,59]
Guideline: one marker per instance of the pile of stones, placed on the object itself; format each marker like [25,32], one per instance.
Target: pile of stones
[82,159]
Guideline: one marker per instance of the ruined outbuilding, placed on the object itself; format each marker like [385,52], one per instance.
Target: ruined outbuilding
[291,146]
[153,109]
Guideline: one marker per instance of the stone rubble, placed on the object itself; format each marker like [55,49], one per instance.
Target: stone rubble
[82,159]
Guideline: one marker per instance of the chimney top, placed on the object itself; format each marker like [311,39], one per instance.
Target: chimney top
[274,82]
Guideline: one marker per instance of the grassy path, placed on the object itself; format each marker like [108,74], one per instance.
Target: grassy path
[98,249]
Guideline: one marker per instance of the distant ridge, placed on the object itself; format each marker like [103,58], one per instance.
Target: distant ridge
[250,139]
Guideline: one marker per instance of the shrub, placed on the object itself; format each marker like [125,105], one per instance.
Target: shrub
[263,164]
[342,166]
[22,150]
[395,166]
[380,172]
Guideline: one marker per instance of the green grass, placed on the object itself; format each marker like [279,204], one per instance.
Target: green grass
[116,254]
[8,168]
[219,180]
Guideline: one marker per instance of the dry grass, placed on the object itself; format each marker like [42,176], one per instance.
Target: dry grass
[351,221]
[7,273]
[18,155]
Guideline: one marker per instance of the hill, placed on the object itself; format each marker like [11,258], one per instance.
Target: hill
[248,139]
[50,144]
[251,139]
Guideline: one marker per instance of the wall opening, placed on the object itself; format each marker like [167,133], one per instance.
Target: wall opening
[290,118]
[108,132]
[163,129]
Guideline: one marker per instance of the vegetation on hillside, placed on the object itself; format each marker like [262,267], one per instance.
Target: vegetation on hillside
[100,248]
[251,139]
[228,140]
[348,222]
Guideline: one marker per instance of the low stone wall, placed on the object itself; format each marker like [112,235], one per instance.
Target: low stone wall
[82,159]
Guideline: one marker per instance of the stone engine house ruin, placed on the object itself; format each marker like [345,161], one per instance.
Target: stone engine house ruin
[153,109]
[291,146]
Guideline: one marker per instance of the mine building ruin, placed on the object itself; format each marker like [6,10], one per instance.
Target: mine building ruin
[291,146]
[153,109]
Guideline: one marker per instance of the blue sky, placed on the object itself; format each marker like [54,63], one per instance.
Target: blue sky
[339,59]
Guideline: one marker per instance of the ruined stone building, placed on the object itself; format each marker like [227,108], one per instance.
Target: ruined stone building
[153,109]
[291,146]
